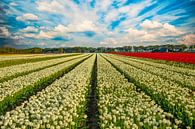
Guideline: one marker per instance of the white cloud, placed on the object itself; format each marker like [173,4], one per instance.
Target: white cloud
[29,29]
[29,35]
[42,44]
[82,26]
[134,35]
[171,29]
[131,11]
[78,19]
[169,16]
[134,21]
[109,41]
[160,29]
[42,27]
[147,24]
[149,37]
[103,5]
[4,32]
[13,4]
[151,32]
[48,34]
[111,16]
[27,17]
[135,32]
[152,35]
[188,39]
[134,9]
[61,28]
[75,27]
[17,37]
[52,6]
[41,35]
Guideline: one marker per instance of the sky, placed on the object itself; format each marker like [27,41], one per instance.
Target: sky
[96,23]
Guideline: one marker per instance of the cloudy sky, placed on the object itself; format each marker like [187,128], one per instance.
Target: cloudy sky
[110,23]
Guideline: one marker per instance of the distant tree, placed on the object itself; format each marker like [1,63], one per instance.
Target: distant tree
[61,50]
[36,50]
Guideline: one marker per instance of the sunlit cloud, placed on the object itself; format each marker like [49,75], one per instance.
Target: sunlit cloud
[27,16]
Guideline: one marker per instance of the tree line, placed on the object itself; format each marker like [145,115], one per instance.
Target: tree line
[154,48]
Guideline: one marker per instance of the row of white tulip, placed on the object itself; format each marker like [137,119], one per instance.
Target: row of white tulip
[185,80]
[176,96]
[183,70]
[27,56]
[60,105]
[9,87]
[18,56]
[121,106]
[21,68]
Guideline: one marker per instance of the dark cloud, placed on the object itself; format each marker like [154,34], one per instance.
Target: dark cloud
[4,42]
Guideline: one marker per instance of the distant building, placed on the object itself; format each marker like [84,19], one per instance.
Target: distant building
[163,49]
[189,49]
[132,49]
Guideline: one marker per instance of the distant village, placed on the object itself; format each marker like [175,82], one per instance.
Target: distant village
[156,48]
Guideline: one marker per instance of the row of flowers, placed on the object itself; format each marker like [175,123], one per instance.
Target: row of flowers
[175,68]
[9,87]
[184,59]
[60,105]
[172,97]
[7,63]
[26,56]
[21,69]
[121,106]
[181,78]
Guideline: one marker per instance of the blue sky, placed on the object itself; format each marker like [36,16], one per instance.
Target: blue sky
[95,23]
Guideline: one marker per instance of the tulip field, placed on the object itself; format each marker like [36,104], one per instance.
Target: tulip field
[186,57]
[92,91]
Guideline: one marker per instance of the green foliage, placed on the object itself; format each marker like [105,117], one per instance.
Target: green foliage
[170,47]
[8,50]
[61,50]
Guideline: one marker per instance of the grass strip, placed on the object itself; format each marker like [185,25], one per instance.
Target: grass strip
[92,103]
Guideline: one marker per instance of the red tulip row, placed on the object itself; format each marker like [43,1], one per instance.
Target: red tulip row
[177,57]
